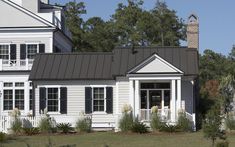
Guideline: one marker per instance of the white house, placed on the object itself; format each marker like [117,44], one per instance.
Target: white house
[100,84]
[27,27]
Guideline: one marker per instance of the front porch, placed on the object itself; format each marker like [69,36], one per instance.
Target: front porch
[163,93]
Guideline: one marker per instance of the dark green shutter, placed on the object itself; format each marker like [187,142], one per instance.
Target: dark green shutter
[109,100]
[88,100]
[23,51]
[41,48]
[13,51]
[42,102]
[63,100]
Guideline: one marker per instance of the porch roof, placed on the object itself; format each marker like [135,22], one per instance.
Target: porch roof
[104,66]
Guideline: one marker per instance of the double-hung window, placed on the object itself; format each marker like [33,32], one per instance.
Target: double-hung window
[32,50]
[98,99]
[53,99]
[5,51]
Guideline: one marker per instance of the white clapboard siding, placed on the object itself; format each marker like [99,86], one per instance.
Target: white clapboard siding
[123,96]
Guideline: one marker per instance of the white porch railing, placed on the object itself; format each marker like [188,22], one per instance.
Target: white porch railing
[145,114]
[6,121]
[16,64]
[27,121]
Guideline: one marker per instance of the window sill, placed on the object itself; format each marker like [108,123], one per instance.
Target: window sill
[54,113]
[99,113]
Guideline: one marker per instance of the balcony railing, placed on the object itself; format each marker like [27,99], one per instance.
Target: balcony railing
[16,64]
[145,114]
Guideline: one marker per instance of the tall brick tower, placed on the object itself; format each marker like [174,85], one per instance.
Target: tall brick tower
[193,31]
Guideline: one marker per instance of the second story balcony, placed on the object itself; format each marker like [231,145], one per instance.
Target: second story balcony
[16,65]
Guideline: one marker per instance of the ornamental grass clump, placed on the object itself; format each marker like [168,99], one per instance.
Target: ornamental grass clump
[126,122]
[46,124]
[155,122]
[83,124]
[184,124]
[16,124]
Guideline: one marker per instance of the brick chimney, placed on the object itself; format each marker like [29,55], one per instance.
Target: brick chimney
[193,31]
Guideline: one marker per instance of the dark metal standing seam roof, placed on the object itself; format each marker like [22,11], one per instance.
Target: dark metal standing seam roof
[108,65]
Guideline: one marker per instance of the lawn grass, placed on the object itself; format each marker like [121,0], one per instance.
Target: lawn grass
[100,139]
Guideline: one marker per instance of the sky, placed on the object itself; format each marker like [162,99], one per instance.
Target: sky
[216,18]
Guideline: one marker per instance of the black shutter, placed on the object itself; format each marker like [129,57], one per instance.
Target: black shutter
[88,100]
[13,51]
[63,100]
[41,48]
[109,100]
[42,105]
[23,51]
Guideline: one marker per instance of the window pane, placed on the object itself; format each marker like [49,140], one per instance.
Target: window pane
[155,85]
[19,84]
[19,99]
[98,99]
[167,98]
[7,100]
[8,84]
[52,100]
[31,50]
[4,52]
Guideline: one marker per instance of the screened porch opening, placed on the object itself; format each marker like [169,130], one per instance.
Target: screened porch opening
[155,94]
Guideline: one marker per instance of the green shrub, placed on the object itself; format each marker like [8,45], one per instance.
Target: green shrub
[16,126]
[139,127]
[126,122]
[84,125]
[223,143]
[184,124]
[45,125]
[169,128]
[64,127]
[3,137]
[230,122]
[155,122]
[31,131]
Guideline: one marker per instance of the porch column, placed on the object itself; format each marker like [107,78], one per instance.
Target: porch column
[131,94]
[173,101]
[137,99]
[178,95]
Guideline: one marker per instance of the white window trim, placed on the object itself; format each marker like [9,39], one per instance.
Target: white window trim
[9,50]
[13,88]
[92,93]
[53,112]
[31,43]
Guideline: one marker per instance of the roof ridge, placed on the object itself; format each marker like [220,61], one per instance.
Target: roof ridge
[78,53]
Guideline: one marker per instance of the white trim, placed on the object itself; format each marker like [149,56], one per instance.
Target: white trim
[131,94]
[98,86]
[155,56]
[173,102]
[137,98]
[154,78]
[53,112]
[117,97]
[33,15]
[92,95]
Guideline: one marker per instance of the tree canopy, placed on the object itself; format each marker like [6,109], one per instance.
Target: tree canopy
[130,25]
